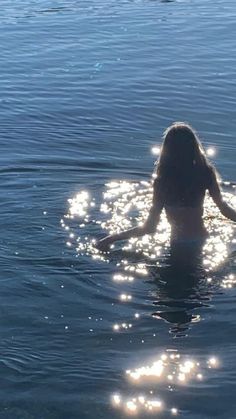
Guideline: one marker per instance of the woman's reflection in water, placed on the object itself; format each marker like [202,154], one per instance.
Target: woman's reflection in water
[182,287]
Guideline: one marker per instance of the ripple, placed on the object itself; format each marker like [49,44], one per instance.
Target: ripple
[87,87]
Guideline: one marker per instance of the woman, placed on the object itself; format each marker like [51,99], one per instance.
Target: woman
[182,178]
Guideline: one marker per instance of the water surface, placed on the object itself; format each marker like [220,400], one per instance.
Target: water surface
[86,89]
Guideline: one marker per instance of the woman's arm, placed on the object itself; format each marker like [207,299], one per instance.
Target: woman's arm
[147,228]
[215,192]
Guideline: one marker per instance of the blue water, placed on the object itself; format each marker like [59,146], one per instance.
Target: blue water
[86,90]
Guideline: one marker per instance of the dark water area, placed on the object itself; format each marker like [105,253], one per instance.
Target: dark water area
[86,90]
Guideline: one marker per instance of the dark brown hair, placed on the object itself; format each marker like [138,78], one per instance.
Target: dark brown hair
[183,163]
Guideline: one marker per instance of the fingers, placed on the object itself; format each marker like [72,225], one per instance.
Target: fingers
[103,245]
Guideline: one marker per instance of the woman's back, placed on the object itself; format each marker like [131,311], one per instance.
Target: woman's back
[186,223]
[183,205]
[183,176]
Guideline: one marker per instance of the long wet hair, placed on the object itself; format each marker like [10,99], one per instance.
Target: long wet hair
[183,166]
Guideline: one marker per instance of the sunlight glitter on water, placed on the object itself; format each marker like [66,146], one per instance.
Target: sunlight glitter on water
[211,151]
[229,281]
[126,204]
[125,297]
[170,369]
[125,326]
[139,404]
[155,150]
[122,278]
[79,205]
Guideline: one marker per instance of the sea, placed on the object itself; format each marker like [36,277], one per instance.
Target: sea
[86,90]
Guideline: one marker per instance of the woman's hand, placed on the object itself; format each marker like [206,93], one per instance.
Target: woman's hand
[104,244]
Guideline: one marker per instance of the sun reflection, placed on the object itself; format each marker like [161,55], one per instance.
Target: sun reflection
[140,404]
[229,281]
[123,278]
[211,151]
[131,406]
[118,327]
[154,370]
[79,204]
[172,367]
[116,399]
[125,297]
[156,150]
[213,362]
[216,249]
[174,411]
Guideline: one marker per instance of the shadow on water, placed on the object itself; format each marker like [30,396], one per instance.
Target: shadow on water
[181,288]
[184,285]
[181,283]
